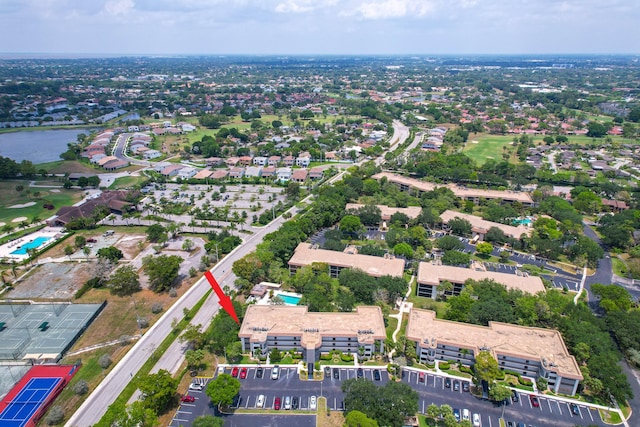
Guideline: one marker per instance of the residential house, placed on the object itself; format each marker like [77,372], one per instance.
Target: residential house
[253,172]
[303,162]
[283,174]
[268,172]
[316,173]
[171,170]
[187,172]
[236,173]
[288,161]
[274,161]
[151,154]
[245,160]
[299,175]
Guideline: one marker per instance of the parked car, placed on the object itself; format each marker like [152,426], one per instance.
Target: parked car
[234,372]
[447,382]
[275,372]
[287,402]
[376,375]
[327,371]
[277,403]
[514,396]
[466,414]
[476,420]
[243,373]
[336,374]
[574,409]
[92,240]
[260,401]
[511,424]
[196,386]
[465,386]
[534,401]
[360,373]
[312,403]
[188,399]
[259,372]
[421,377]
[456,385]
[456,413]
[294,402]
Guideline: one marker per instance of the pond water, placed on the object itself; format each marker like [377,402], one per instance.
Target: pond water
[38,146]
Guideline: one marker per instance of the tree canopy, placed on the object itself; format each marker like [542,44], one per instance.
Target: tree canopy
[222,389]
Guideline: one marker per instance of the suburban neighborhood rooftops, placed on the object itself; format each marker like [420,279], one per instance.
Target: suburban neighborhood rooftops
[372,265]
[261,321]
[432,274]
[523,342]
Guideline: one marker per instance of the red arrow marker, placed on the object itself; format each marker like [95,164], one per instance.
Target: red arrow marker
[225,301]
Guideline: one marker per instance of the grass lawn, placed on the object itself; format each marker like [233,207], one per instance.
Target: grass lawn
[487,147]
[619,266]
[328,418]
[126,182]
[392,324]
[67,166]
[11,197]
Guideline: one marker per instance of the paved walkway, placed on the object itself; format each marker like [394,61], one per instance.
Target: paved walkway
[405,307]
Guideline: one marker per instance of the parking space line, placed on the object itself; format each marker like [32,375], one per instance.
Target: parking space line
[589,410]
[559,408]
[549,403]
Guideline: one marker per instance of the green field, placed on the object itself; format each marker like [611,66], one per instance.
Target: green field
[487,147]
[126,182]
[11,197]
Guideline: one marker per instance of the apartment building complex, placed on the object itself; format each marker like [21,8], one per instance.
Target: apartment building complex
[531,352]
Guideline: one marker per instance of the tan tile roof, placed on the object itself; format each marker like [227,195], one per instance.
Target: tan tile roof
[457,190]
[483,226]
[260,321]
[205,173]
[372,265]
[523,342]
[432,274]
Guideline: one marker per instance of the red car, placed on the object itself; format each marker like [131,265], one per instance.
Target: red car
[421,377]
[277,403]
[234,372]
[243,373]
[187,398]
[534,401]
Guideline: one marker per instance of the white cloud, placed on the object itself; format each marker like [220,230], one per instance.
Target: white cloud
[119,7]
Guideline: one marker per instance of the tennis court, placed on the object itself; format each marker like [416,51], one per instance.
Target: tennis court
[29,399]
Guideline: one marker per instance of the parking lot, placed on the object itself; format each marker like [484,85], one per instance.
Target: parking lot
[549,413]
[433,389]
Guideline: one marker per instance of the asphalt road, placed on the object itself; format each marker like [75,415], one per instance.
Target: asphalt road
[109,389]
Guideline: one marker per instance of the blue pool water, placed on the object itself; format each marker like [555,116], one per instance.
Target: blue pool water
[525,221]
[290,300]
[37,242]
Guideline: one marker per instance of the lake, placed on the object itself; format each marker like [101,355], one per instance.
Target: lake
[38,146]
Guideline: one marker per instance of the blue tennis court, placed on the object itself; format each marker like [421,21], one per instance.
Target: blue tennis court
[21,408]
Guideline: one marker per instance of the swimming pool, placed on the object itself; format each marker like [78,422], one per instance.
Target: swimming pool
[35,243]
[289,299]
[523,221]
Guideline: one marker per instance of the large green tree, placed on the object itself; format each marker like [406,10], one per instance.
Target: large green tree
[158,390]
[208,421]
[358,419]
[124,281]
[162,271]
[134,415]
[486,367]
[387,405]
[223,389]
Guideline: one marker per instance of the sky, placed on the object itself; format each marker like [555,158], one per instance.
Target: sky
[319,26]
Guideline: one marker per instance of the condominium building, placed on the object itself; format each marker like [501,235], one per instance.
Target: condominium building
[431,276]
[531,352]
[306,254]
[473,194]
[412,212]
[480,227]
[266,327]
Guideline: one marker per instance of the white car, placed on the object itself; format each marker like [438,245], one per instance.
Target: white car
[466,414]
[260,401]
[196,386]
[312,403]
[275,372]
[476,420]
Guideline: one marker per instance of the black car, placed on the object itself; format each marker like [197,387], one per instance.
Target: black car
[336,373]
[514,396]
[465,386]
[376,375]
[360,373]
[259,372]
[294,402]
[574,409]
[447,382]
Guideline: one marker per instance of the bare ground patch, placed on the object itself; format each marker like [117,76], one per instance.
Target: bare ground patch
[53,281]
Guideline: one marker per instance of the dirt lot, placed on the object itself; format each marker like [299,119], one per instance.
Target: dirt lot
[52,281]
